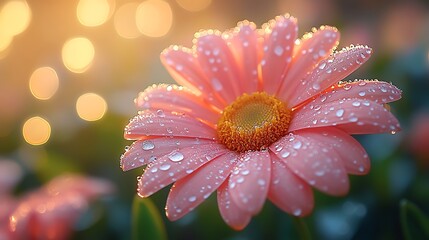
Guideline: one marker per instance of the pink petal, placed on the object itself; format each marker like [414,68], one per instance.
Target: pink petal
[171,98]
[230,212]
[160,123]
[219,65]
[355,116]
[313,48]
[244,46]
[186,70]
[145,151]
[191,191]
[313,162]
[352,154]
[175,166]
[330,71]
[248,184]
[289,192]
[278,48]
[373,90]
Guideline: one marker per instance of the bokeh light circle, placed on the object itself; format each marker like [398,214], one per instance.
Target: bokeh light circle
[15,16]
[125,21]
[36,131]
[78,54]
[91,107]
[44,83]
[194,5]
[93,13]
[154,18]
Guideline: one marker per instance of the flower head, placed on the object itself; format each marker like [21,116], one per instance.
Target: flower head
[260,114]
[50,212]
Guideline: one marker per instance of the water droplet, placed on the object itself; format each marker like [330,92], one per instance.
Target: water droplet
[353,119]
[176,156]
[240,179]
[160,113]
[347,86]
[285,154]
[361,93]
[322,52]
[322,65]
[316,86]
[169,130]
[216,84]
[245,172]
[261,182]
[361,169]
[278,50]
[319,173]
[297,145]
[356,104]
[192,199]
[297,212]
[165,167]
[339,112]
[147,145]
[154,170]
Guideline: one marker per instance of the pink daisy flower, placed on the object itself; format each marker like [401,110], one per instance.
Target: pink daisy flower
[260,114]
[51,211]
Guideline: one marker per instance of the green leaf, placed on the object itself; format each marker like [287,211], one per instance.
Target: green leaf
[146,221]
[415,224]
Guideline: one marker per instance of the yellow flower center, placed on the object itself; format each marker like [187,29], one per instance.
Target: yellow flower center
[253,122]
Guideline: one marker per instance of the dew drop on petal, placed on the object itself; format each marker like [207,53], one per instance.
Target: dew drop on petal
[297,212]
[322,66]
[148,145]
[192,199]
[339,112]
[353,119]
[216,84]
[261,182]
[160,113]
[316,86]
[297,145]
[347,86]
[176,156]
[361,93]
[164,167]
[356,104]
[285,154]
[278,50]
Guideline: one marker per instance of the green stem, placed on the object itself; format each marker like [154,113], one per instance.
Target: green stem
[409,209]
[302,228]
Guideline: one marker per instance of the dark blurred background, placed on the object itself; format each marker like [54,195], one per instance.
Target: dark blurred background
[69,71]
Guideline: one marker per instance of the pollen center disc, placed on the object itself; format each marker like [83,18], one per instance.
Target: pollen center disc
[253,122]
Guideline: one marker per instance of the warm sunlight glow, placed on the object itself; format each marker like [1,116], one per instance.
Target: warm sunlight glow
[93,13]
[154,18]
[15,16]
[194,5]
[78,54]
[91,106]
[44,83]
[125,21]
[36,131]
[5,41]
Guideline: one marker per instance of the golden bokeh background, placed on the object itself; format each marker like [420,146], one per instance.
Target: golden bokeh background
[70,70]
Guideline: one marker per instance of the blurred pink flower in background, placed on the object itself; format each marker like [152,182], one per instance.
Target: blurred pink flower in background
[51,211]
[10,174]
[418,140]
[261,115]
